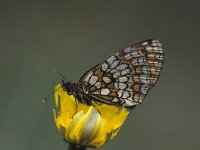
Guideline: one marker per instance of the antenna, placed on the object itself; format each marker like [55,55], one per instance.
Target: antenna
[44,100]
[57,72]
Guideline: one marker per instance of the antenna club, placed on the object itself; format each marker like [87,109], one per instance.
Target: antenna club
[57,72]
[44,100]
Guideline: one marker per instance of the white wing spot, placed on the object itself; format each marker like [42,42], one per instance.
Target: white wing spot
[123,79]
[136,54]
[142,61]
[125,71]
[159,57]
[95,92]
[105,91]
[126,50]
[145,69]
[111,60]
[154,44]
[144,89]
[116,74]
[84,89]
[116,85]
[88,76]
[141,98]
[145,43]
[113,71]
[104,66]
[98,85]
[128,56]
[93,80]
[143,78]
[155,48]
[149,49]
[129,103]
[115,99]
[122,86]
[130,79]
[114,64]
[122,67]
[106,79]
[125,94]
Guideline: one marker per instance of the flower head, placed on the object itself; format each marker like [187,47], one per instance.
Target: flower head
[86,125]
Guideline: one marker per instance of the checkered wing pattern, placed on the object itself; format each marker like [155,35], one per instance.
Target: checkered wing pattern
[126,77]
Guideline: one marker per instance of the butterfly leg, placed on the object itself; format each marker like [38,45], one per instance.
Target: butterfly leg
[88,99]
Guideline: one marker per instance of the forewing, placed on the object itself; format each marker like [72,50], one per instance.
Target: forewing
[127,76]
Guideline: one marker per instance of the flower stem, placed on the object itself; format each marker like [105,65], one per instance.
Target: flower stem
[76,147]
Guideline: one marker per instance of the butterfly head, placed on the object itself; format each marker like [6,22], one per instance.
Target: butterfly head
[68,86]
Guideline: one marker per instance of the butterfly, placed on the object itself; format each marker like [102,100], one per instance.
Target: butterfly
[123,79]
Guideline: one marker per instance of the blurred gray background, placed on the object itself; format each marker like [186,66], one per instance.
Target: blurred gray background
[73,37]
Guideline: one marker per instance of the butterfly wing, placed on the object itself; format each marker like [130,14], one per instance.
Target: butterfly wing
[126,77]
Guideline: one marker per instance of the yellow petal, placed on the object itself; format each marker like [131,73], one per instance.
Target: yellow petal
[86,125]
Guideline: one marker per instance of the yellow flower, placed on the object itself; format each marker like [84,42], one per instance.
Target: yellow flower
[86,125]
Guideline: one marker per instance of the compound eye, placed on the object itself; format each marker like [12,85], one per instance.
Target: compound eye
[68,88]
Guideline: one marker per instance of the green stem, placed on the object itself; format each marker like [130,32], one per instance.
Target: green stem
[76,147]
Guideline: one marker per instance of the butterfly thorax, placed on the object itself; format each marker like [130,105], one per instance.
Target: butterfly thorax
[72,89]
